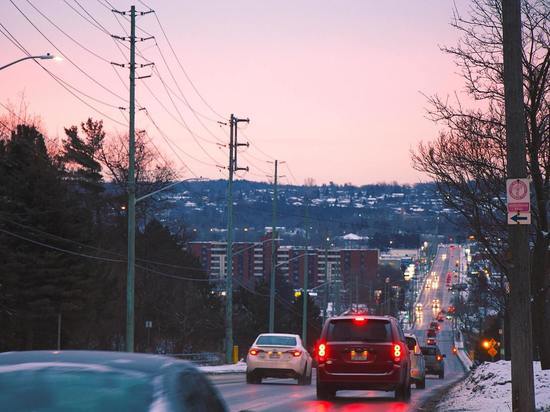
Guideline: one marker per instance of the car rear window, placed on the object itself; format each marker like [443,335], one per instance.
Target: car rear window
[410,341]
[276,340]
[373,330]
[429,351]
[61,388]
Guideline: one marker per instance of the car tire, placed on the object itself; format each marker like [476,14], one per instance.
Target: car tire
[421,384]
[325,393]
[403,392]
[304,378]
[308,382]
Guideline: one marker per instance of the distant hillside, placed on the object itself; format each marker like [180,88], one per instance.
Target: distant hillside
[385,214]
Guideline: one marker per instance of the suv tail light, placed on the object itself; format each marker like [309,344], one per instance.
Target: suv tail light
[397,352]
[439,358]
[322,352]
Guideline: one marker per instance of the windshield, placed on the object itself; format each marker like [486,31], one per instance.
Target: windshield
[63,389]
[429,351]
[273,340]
[345,330]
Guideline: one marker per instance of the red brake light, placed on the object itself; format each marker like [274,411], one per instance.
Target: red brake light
[439,357]
[296,353]
[359,319]
[322,352]
[397,353]
[253,351]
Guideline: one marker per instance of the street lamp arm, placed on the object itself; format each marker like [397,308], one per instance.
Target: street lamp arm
[199,179]
[43,57]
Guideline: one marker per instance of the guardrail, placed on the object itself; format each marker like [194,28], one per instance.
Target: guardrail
[201,358]
[462,354]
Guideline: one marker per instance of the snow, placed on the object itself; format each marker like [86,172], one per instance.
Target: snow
[239,367]
[489,388]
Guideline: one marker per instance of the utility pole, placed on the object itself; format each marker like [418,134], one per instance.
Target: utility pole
[233,146]
[131,185]
[337,297]
[306,275]
[523,396]
[273,254]
[327,283]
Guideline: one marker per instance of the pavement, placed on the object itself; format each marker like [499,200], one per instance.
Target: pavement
[285,395]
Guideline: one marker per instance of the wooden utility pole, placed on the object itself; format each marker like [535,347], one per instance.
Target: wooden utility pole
[233,167]
[523,396]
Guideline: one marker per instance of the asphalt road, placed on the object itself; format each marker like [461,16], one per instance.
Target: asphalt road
[284,395]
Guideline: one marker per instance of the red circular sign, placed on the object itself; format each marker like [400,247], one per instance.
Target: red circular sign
[517,190]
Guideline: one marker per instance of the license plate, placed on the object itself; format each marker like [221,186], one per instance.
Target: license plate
[359,356]
[274,356]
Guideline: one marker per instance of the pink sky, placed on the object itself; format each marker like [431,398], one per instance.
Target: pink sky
[331,87]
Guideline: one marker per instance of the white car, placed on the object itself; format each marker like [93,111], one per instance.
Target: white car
[278,355]
[418,364]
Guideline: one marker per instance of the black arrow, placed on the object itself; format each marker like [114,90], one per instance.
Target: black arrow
[517,218]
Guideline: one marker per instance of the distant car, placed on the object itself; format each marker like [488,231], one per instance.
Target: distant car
[432,333]
[419,307]
[434,325]
[435,364]
[418,364]
[278,355]
[102,381]
[363,352]
[435,303]
[430,341]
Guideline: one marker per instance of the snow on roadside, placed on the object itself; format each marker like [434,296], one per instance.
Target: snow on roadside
[489,388]
[239,367]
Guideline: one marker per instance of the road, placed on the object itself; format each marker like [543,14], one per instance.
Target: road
[284,395]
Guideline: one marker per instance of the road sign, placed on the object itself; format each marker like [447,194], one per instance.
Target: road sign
[492,342]
[519,218]
[492,352]
[518,196]
[148,324]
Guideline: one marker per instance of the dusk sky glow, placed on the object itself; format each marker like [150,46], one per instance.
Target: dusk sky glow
[335,88]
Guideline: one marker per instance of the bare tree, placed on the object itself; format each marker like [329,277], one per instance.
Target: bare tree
[468,159]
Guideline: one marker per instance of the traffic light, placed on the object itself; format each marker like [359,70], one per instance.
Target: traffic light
[298,293]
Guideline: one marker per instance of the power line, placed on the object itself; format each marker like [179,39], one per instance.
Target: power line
[61,82]
[66,56]
[181,65]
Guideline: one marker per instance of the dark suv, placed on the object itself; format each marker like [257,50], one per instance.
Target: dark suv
[434,361]
[362,352]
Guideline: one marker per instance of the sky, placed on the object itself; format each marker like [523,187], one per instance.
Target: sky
[336,89]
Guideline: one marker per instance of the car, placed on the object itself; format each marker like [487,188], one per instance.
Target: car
[418,364]
[430,341]
[435,364]
[278,355]
[435,303]
[432,333]
[362,352]
[435,325]
[103,381]
[419,307]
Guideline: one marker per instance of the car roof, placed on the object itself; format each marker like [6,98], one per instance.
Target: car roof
[291,335]
[369,317]
[411,335]
[140,362]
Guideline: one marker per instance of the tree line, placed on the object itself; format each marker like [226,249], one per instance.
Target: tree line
[63,246]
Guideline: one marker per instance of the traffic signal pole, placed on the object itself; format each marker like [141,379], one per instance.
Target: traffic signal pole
[523,396]
[273,256]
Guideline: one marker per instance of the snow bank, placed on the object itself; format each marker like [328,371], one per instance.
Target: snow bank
[239,367]
[489,388]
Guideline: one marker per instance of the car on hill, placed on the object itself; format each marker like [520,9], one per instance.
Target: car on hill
[103,381]
[278,355]
[435,364]
[362,352]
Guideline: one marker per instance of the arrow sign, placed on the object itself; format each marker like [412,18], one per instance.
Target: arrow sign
[519,218]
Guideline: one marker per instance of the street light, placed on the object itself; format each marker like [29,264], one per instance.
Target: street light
[46,56]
